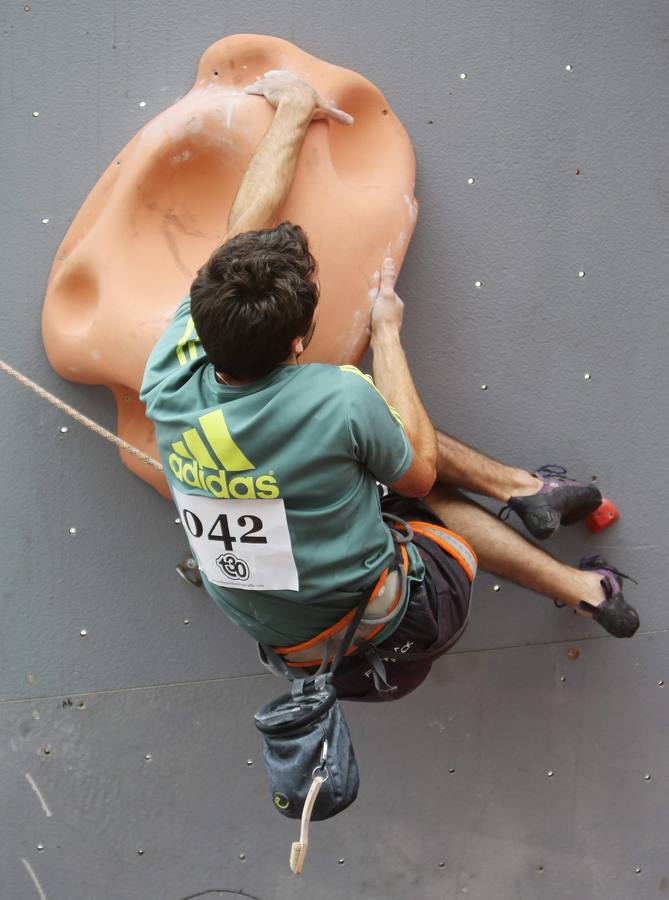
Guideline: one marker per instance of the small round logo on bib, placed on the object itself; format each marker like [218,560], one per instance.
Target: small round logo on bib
[232,567]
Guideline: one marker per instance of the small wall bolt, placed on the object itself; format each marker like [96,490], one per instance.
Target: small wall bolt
[661,682]
[242,855]
[148,756]
[341,862]
[587,376]
[249,762]
[186,621]
[581,274]
[647,777]
[64,429]
[40,847]
[35,115]
[140,852]
[142,103]
[496,587]
[484,387]
[471,181]
[550,773]
[451,771]
[84,632]
[72,530]
[463,75]
[45,221]
[638,870]
[177,521]
[478,284]
[569,67]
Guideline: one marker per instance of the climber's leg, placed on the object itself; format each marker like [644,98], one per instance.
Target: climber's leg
[543,500]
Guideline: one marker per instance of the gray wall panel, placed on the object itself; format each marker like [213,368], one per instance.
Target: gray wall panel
[495,709]
[498,824]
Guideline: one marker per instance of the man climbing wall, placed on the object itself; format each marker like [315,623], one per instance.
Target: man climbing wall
[274,465]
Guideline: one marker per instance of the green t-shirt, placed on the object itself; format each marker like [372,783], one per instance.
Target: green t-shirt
[275,482]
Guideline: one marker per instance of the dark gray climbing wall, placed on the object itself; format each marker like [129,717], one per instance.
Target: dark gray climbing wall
[534,762]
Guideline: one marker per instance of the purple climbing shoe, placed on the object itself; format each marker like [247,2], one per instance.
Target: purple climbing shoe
[614,613]
[560,501]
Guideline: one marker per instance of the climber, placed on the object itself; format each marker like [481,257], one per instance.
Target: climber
[277,468]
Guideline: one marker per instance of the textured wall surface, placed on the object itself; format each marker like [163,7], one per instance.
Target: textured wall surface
[129,764]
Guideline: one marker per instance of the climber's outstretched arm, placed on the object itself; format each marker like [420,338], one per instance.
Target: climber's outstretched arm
[269,175]
[393,378]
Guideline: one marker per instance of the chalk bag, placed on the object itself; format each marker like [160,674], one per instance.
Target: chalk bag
[306,739]
[307,746]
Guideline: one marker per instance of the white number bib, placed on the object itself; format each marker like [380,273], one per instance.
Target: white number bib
[240,543]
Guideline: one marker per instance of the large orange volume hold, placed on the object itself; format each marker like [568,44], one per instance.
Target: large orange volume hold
[162,204]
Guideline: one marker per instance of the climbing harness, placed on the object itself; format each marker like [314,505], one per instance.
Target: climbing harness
[384,604]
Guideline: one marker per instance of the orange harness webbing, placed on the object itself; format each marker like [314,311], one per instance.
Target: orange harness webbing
[341,624]
[449,541]
[452,543]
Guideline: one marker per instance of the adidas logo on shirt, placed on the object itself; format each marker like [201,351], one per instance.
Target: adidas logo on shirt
[207,465]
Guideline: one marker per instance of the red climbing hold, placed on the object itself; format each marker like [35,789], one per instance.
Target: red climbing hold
[605,514]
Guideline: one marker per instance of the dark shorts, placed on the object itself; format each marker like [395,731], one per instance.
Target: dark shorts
[435,618]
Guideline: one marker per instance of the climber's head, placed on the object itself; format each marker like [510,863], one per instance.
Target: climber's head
[254,301]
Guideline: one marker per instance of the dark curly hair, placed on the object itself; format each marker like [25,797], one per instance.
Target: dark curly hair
[253,296]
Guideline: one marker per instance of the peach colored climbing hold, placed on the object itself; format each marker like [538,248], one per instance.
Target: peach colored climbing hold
[161,207]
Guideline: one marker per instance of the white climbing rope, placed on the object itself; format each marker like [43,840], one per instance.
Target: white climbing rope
[80,417]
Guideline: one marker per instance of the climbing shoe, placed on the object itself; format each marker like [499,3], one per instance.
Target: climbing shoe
[614,613]
[560,501]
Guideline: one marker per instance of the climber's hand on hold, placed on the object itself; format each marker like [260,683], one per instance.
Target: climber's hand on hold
[388,308]
[279,84]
